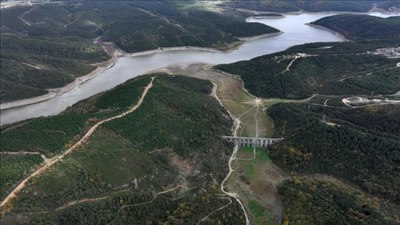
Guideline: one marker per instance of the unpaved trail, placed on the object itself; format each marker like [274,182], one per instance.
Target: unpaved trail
[370,73]
[254,149]
[82,141]
[236,121]
[290,64]
[303,100]
[231,194]
[20,153]
[25,153]
[154,198]
[22,16]
[214,93]
[220,208]
[297,56]
[326,101]
[256,118]
[148,202]
[33,66]
[73,21]
[82,201]
[246,111]
[231,159]
[161,17]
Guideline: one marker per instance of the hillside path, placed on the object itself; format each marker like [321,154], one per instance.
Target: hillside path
[83,140]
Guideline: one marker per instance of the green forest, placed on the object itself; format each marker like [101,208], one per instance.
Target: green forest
[51,135]
[363,27]
[344,68]
[31,65]
[164,163]
[343,161]
[165,145]
[324,200]
[312,5]
[14,168]
[358,148]
[318,72]
[362,147]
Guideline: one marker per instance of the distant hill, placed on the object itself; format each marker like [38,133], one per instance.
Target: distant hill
[314,5]
[323,68]
[363,27]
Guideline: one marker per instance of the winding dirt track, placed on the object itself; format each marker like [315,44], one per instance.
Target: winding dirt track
[154,198]
[83,140]
[220,208]
[231,159]
[81,201]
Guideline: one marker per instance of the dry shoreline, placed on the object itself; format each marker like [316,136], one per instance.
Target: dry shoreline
[170,49]
[54,92]
[115,54]
[252,38]
[341,36]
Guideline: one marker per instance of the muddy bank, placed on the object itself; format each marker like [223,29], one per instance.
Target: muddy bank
[54,92]
[115,53]
[252,38]
[341,36]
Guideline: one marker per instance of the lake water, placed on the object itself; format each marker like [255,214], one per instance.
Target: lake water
[295,32]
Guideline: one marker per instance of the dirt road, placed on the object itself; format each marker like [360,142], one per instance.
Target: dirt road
[83,140]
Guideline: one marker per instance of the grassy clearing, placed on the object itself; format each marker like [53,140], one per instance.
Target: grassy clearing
[249,163]
[249,179]
[256,209]
[245,159]
[234,98]
[255,180]
[243,106]
[247,152]
[246,183]
[260,215]
[269,124]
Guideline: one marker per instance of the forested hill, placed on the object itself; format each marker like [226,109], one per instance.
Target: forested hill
[161,164]
[363,27]
[314,5]
[354,67]
[347,169]
[319,68]
[133,25]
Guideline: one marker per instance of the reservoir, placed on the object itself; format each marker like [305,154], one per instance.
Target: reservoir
[295,32]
